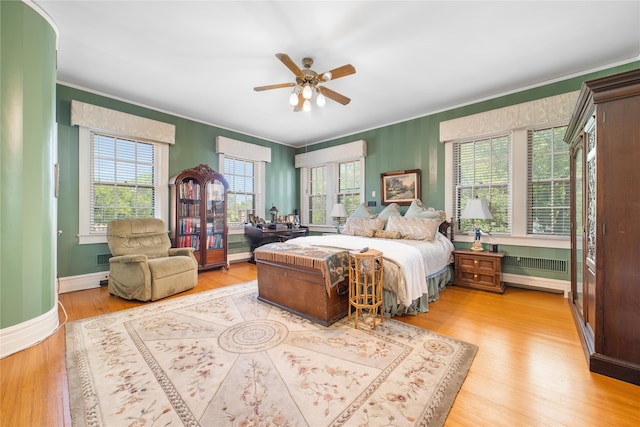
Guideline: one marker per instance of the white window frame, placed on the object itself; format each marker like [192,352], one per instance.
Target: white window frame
[517,119]
[550,180]
[259,155]
[259,188]
[161,174]
[331,157]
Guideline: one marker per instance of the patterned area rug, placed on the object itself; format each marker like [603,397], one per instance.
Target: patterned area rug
[222,357]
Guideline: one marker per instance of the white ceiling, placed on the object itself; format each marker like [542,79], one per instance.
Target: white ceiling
[201,59]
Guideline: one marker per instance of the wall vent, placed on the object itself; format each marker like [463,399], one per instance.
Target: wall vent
[558,265]
[102,259]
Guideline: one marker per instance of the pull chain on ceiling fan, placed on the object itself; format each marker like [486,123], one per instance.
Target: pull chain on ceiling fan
[307,83]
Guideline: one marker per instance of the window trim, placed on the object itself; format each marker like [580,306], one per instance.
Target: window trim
[259,179]
[519,236]
[85,236]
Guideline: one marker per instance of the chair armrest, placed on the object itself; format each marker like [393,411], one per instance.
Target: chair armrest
[124,259]
[181,251]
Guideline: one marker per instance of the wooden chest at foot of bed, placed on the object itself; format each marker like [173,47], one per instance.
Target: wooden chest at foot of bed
[302,291]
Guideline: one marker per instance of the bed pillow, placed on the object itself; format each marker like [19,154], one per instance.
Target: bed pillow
[387,234]
[362,226]
[417,210]
[414,228]
[392,210]
[362,211]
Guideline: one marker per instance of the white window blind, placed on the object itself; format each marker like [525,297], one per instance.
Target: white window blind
[548,186]
[318,195]
[241,176]
[482,168]
[349,185]
[122,180]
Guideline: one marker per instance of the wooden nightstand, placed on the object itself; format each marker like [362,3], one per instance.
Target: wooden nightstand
[479,270]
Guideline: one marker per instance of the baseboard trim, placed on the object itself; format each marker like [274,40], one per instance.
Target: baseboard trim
[82,281]
[92,280]
[24,335]
[539,283]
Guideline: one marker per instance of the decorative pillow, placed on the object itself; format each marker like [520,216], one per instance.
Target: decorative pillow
[386,234]
[360,226]
[362,211]
[417,210]
[392,210]
[368,232]
[414,228]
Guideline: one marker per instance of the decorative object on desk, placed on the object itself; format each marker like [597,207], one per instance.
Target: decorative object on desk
[223,355]
[274,213]
[338,211]
[296,219]
[401,187]
[477,209]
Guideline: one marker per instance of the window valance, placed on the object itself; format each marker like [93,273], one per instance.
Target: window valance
[112,121]
[339,153]
[243,150]
[553,109]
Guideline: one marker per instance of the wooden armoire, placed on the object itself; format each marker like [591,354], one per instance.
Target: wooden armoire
[604,133]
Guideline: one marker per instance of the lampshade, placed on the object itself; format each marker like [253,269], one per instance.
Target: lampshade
[293,98]
[306,105]
[476,209]
[338,211]
[307,91]
[320,100]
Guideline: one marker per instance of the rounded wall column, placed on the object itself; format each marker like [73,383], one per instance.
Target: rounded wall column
[28,153]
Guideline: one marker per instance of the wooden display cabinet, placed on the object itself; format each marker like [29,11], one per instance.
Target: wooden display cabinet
[604,135]
[479,270]
[199,215]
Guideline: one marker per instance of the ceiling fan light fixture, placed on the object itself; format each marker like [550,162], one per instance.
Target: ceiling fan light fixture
[320,100]
[306,106]
[307,91]
[293,98]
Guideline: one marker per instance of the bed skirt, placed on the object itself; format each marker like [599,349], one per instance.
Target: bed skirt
[435,284]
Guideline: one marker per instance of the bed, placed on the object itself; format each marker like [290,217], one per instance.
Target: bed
[309,275]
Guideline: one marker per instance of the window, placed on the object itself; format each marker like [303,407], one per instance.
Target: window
[482,168]
[333,183]
[548,182]
[123,168]
[328,176]
[122,180]
[240,174]
[349,185]
[318,195]
[119,177]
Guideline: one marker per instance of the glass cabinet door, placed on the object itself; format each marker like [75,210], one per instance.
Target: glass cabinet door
[188,232]
[215,217]
[578,292]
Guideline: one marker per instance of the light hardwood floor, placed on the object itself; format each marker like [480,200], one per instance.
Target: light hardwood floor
[529,371]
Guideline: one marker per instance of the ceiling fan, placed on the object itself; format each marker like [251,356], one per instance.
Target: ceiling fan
[307,83]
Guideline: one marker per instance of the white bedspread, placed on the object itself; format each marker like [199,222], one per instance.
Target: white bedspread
[417,259]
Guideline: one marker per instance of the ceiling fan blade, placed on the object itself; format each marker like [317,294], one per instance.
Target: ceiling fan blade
[278,86]
[290,64]
[336,73]
[331,94]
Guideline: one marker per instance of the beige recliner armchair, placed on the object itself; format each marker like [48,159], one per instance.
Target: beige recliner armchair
[144,266]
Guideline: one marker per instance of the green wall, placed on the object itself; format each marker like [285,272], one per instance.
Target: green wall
[415,144]
[27,159]
[195,144]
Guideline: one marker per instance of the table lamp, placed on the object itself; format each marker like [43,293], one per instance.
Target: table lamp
[476,209]
[274,214]
[338,211]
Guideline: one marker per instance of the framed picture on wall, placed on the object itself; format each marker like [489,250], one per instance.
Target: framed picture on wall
[400,187]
